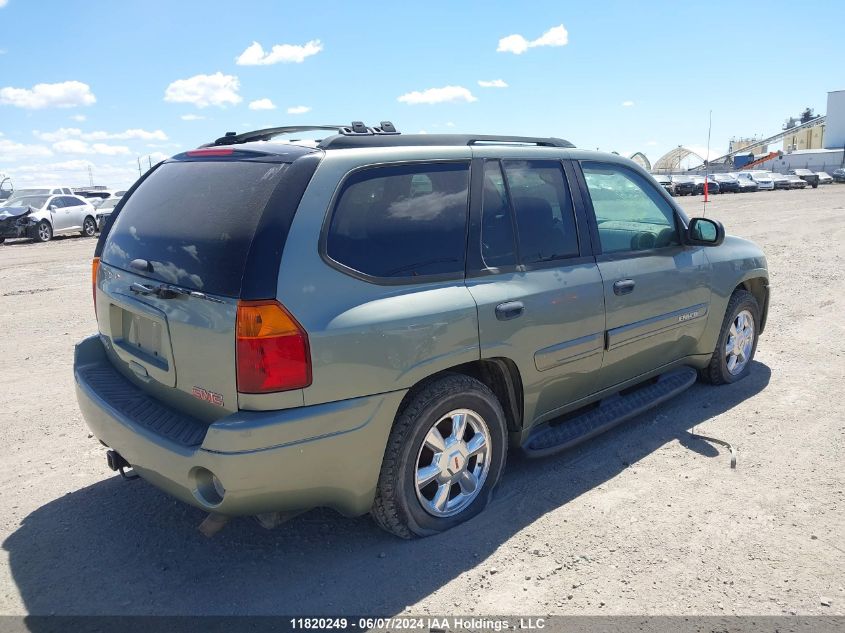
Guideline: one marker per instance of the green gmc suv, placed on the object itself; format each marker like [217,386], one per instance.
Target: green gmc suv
[372,321]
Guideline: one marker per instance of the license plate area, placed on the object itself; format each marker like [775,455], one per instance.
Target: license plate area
[140,337]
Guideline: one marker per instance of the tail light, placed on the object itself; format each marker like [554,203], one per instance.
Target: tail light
[272,349]
[95,267]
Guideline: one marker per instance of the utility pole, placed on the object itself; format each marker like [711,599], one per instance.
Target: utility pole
[139,167]
[90,177]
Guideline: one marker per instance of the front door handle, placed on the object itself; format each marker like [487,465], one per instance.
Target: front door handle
[623,287]
[509,310]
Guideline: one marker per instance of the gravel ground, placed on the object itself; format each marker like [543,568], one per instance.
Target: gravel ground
[643,520]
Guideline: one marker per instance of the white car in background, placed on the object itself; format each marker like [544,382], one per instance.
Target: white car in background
[761,178]
[41,216]
[104,210]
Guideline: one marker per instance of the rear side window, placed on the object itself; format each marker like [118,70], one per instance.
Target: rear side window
[193,222]
[545,217]
[402,221]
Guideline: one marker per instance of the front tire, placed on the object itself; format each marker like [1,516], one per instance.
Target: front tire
[444,457]
[89,227]
[43,232]
[737,343]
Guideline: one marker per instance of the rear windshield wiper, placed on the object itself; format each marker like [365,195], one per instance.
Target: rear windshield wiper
[166,291]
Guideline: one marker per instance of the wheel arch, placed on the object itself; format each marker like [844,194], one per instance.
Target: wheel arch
[501,375]
[759,287]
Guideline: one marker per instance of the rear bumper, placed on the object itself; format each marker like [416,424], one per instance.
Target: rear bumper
[294,459]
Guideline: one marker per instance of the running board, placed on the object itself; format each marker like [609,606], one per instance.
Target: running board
[553,438]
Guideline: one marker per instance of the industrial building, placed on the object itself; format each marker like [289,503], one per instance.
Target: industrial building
[816,143]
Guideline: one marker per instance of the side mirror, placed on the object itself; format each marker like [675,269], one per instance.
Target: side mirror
[53,207]
[705,232]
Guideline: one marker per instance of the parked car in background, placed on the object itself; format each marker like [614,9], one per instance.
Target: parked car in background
[839,175]
[97,197]
[746,185]
[796,182]
[104,210]
[712,186]
[824,178]
[761,179]
[781,181]
[727,183]
[217,377]
[810,177]
[47,190]
[684,185]
[40,217]
[666,183]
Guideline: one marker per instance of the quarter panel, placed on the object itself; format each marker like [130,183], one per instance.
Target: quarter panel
[367,338]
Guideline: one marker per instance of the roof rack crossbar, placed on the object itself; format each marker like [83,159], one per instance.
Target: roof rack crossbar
[268,133]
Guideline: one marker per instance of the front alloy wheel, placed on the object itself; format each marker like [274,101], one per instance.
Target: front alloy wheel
[740,342]
[89,227]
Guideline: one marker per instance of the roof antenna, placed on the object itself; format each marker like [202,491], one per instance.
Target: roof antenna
[707,162]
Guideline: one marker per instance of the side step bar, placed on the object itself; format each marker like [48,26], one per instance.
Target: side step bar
[553,438]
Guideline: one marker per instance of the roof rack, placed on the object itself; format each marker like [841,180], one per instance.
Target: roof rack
[383,135]
[342,141]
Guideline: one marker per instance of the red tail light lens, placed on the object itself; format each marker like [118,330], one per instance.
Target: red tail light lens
[95,267]
[272,349]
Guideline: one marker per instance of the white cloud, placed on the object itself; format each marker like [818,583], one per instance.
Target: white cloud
[298,109]
[205,90]
[627,104]
[262,104]
[254,54]
[450,124]
[495,83]
[12,151]
[66,133]
[3,3]
[192,117]
[74,172]
[67,94]
[651,143]
[78,117]
[75,146]
[517,44]
[438,95]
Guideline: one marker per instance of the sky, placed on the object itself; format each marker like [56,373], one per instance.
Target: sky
[105,84]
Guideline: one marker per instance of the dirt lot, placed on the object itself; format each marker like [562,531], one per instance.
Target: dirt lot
[645,519]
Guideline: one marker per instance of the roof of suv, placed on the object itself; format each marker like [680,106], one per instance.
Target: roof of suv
[360,136]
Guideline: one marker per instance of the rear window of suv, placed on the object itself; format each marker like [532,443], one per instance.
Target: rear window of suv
[193,222]
[402,221]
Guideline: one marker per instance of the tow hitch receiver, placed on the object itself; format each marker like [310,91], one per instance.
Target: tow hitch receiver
[117,463]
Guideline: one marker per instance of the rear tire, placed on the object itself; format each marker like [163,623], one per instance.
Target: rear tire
[735,347]
[89,227]
[426,480]
[43,232]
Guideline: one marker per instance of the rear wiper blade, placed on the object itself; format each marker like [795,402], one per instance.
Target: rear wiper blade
[166,291]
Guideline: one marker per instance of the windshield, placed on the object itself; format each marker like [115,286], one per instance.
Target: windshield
[109,204]
[26,201]
[726,177]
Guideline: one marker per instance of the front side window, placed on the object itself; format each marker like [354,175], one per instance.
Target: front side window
[631,214]
[402,221]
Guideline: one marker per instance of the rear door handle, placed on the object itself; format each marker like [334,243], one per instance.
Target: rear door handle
[623,287]
[509,310]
